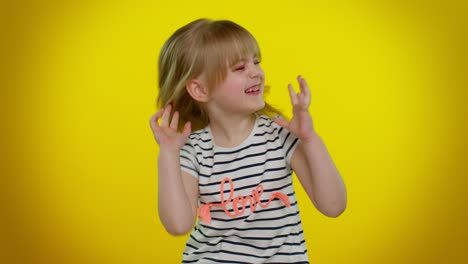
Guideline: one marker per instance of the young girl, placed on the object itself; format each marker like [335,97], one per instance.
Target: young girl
[234,171]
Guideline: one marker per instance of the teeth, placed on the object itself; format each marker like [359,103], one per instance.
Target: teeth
[250,90]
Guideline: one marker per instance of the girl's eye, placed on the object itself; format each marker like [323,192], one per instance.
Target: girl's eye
[257,62]
[240,68]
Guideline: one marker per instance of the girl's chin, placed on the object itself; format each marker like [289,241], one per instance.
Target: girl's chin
[260,106]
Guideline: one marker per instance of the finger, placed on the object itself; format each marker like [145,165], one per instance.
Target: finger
[292,94]
[154,118]
[187,129]
[302,102]
[166,115]
[303,86]
[281,122]
[175,120]
[304,95]
[157,132]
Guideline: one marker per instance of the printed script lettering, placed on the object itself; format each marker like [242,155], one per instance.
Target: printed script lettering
[239,201]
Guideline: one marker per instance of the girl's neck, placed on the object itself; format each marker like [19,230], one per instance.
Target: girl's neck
[230,132]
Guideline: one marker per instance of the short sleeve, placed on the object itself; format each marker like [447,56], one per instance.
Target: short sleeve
[188,159]
[289,143]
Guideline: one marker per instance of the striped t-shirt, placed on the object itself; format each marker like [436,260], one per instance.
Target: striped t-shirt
[270,234]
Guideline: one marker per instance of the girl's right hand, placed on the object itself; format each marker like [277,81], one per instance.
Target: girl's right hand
[166,133]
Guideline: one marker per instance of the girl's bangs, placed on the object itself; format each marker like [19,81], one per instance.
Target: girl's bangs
[241,47]
[228,48]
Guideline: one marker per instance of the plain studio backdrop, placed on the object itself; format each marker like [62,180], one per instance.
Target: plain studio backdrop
[79,83]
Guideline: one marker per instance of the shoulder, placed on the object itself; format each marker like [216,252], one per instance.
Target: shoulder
[199,141]
[266,129]
[267,125]
[201,135]
[195,148]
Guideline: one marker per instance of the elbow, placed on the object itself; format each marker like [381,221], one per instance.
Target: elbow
[176,224]
[178,229]
[335,210]
[335,213]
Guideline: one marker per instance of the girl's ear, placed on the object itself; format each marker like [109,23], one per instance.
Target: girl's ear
[197,91]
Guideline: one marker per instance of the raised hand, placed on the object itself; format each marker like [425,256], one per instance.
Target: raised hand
[166,133]
[301,124]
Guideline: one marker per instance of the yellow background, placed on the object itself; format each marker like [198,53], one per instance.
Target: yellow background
[388,84]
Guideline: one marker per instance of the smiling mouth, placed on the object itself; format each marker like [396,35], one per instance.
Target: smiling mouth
[253,89]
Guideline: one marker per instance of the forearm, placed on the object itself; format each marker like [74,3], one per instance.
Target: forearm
[175,209]
[328,187]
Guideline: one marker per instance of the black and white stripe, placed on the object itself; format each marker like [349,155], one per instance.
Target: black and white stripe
[267,235]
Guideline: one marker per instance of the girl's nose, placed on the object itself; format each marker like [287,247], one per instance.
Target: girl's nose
[254,71]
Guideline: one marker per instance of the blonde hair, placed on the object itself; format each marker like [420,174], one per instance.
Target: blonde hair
[202,46]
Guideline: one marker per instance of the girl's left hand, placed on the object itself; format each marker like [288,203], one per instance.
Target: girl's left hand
[301,124]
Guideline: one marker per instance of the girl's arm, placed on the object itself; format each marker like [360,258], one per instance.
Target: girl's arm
[319,177]
[177,190]
[177,195]
[311,161]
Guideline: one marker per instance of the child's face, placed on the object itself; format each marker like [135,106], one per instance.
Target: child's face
[242,90]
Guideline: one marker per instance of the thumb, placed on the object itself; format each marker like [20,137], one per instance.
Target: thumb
[187,130]
[281,122]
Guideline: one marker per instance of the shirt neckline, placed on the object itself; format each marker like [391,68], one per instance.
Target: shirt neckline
[240,145]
